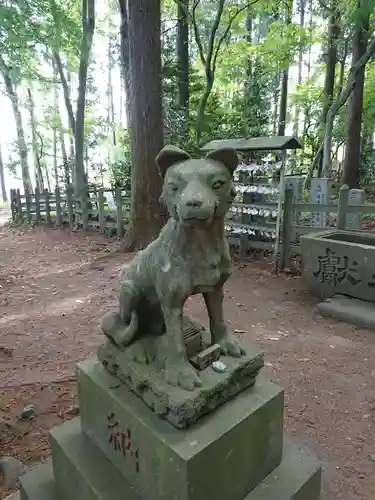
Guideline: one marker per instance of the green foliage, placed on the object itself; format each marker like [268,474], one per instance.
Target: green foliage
[281,45]
[252,46]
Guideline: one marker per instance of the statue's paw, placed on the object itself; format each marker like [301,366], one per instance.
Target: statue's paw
[182,374]
[231,347]
[117,331]
[142,351]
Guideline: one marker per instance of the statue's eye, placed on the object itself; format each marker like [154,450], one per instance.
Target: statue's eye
[218,185]
[173,187]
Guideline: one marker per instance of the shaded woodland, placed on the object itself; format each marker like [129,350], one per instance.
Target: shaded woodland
[96,88]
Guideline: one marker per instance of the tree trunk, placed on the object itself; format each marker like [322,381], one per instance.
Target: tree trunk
[306,111]
[124,51]
[209,63]
[275,105]
[355,105]
[249,38]
[111,126]
[283,102]
[338,104]
[147,215]
[209,59]
[302,5]
[342,66]
[49,186]
[112,110]
[202,106]
[21,143]
[183,55]
[56,112]
[284,81]
[88,26]
[34,142]
[64,157]
[324,166]
[4,194]
[71,135]
[66,91]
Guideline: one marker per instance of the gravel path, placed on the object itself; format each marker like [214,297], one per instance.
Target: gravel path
[53,294]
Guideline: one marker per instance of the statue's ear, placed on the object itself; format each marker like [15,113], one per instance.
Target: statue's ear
[168,156]
[226,156]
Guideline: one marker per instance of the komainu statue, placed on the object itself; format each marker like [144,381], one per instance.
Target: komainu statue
[190,256]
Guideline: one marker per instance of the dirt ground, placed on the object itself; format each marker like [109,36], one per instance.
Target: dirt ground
[53,293]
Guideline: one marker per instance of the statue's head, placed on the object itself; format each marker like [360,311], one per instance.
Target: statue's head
[196,191]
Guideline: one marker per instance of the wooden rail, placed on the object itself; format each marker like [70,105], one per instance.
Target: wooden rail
[93,211]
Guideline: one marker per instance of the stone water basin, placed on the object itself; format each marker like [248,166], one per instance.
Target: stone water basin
[340,262]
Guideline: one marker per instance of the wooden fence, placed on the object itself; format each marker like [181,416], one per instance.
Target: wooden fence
[94,212]
[63,208]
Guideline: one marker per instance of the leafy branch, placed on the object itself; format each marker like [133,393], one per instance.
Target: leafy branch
[209,61]
[326,145]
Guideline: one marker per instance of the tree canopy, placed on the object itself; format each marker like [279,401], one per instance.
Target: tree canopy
[70,71]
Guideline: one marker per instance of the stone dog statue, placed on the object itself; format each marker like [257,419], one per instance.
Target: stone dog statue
[190,256]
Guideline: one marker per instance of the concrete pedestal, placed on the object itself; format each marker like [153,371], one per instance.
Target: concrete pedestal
[241,439]
[83,473]
[119,449]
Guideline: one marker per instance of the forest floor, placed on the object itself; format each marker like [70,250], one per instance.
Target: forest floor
[53,292]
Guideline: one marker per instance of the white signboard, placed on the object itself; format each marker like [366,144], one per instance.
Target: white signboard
[320,195]
[354,221]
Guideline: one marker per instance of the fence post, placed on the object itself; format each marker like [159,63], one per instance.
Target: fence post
[58,207]
[69,201]
[37,205]
[28,206]
[85,207]
[342,208]
[19,205]
[13,207]
[287,228]
[101,209]
[120,224]
[48,207]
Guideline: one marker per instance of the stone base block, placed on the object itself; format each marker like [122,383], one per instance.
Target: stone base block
[83,473]
[38,484]
[223,456]
[357,312]
[182,408]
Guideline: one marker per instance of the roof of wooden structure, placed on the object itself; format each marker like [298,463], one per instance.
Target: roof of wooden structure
[276,143]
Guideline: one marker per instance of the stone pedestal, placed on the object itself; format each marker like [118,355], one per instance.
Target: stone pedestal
[120,449]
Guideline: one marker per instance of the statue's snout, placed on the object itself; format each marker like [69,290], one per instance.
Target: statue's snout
[194,203]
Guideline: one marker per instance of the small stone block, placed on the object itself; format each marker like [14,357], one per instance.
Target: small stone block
[82,472]
[354,311]
[298,477]
[223,456]
[206,357]
[38,484]
[219,366]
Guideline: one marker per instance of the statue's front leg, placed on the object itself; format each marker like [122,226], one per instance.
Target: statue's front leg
[178,371]
[219,333]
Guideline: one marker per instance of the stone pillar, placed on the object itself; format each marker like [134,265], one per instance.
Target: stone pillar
[354,221]
[320,193]
[295,183]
